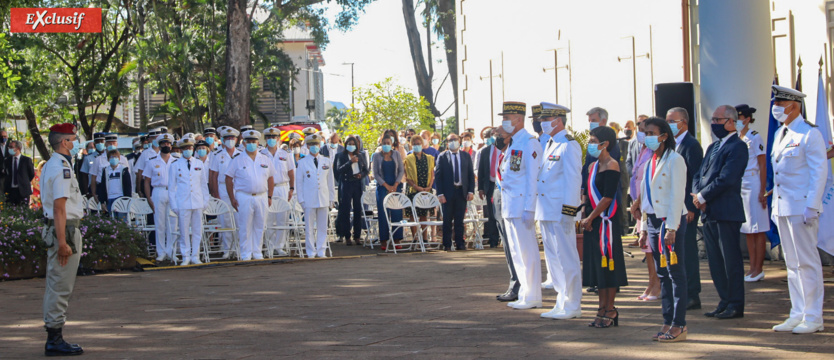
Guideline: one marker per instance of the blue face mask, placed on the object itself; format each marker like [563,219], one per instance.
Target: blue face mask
[350,148]
[271,142]
[490,141]
[145,146]
[435,141]
[111,147]
[593,150]
[251,147]
[100,147]
[593,125]
[114,161]
[209,140]
[418,148]
[202,153]
[314,149]
[652,142]
[739,125]
[76,148]
[333,146]
[675,128]
[187,154]
[155,144]
[386,148]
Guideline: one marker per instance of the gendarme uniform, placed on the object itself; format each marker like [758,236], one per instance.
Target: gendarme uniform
[58,181]
[316,193]
[251,174]
[798,158]
[156,171]
[284,171]
[559,185]
[220,161]
[751,184]
[90,159]
[146,154]
[519,169]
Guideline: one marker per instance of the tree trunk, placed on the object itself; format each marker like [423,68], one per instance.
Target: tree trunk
[237,64]
[140,71]
[32,123]
[448,21]
[414,43]
[111,112]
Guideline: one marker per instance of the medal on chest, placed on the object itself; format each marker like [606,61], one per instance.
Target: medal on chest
[515,160]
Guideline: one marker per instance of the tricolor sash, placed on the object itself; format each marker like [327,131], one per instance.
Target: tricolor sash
[605,229]
[651,167]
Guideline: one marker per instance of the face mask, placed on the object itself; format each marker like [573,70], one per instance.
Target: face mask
[137,150]
[176,155]
[779,113]
[641,137]
[628,133]
[453,145]
[314,149]
[111,147]
[739,124]
[490,141]
[593,150]
[593,125]
[499,143]
[402,140]
[538,127]
[675,129]
[100,147]
[547,127]
[155,143]
[467,144]
[392,139]
[251,147]
[202,153]
[10,152]
[209,140]
[165,149]
[652,142]
[435,141]
[146,146]
[333,146]
[350,148]
[719,130]
[271,142]
[76,148]
[507,125]
[386,148]
[187,154]
[296,150]
[418,148]
[229,143]
[114,161]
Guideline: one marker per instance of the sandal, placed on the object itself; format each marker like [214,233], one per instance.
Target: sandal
[668,337]
[661,332]
[598,317]
[615,321]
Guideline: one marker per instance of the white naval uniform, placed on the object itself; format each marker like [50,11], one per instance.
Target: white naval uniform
[316,193]
[156,171]
[518,194]
[220,160]
[559,183]
[189,196]
[251,192]
[751,186]
[282,164]
[799,177]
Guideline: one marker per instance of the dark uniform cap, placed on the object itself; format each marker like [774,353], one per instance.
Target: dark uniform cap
[209,130]
[99,136]
[514,108]
[537,111]
[111,137]
[745,110]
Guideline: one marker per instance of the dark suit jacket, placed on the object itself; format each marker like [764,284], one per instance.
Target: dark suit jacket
[693,155]
[484,183]
[344,168]
[719,181]
[445,174]
[25,174]
[4,153]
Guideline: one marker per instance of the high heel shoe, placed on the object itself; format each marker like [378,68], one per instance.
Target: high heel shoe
[598,317]
[668,337]
[615,321]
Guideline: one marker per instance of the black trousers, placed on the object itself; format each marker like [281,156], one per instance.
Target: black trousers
[350,196]
[726,266]
[693,262]
[490,228]
[453,212]
[13,197]
[673,285]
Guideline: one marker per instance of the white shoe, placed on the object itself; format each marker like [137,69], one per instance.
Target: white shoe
[245,259]
[550,314]
[787,325]
[225,255]
[258,256]
[756,278]
[196,260]
[562,314]
[282,253]
[547,285]
[160,257]
[185,261]
[526,305]
[512,303]
[806,327]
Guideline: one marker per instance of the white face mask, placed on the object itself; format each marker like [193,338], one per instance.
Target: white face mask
[779,113]
[641,137]
[229,143]
[467,144]
[507,125]
[547,127]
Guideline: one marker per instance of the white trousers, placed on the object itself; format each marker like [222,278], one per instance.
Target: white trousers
[799,245]
[251,213]
[226,221]
[524,249]
[563,263]
[279,238]
[315,225]
[191,232]
[164,240]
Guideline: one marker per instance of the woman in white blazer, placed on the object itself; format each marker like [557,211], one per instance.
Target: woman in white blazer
[662,190]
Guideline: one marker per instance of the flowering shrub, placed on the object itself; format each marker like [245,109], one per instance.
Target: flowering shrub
[107,243]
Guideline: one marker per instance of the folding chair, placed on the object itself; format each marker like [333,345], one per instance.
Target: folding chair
[473,218]
[299,233]
[427,200]
[398,201]
[139,212]
[280,205]
[217,207]
[371,218]
[121,206]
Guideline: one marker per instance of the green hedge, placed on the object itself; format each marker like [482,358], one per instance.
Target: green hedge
[107,243]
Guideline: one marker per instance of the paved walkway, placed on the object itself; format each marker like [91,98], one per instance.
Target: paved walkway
[438,305]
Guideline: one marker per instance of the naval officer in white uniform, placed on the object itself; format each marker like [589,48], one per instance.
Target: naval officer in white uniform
[316,194]
[189,196]
[156,178]
[220,160]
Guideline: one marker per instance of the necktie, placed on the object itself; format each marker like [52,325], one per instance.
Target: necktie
[492,163]
[14,172]
[715,151]
[316,161]
[189,164]
[548,144]
[455,166]
[784,132]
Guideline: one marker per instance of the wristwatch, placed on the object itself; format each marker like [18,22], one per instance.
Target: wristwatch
[292,188]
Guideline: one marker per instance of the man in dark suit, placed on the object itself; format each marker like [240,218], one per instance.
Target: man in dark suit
[4,146]
[487,168]
[716,191]
[455,179]
[693,155]
[21,171]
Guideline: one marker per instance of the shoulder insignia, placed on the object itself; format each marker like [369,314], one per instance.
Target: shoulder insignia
[761,147]
[534,154]
[569,137]
[154,157]
[67,174]
[175,160]
[236,155]
[810,123]
[754,132]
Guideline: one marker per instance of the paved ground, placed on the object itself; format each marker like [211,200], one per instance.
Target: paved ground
[438,305]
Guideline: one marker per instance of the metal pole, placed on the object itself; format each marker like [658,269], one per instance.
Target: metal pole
[503,79]
[491,101]
[556,72]
[651,68]
[570,83]
[634,75]
[352,86]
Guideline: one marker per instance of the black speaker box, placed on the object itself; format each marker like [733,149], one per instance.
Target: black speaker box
[679,94]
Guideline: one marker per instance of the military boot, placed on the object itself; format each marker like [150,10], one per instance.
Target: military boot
[56,346]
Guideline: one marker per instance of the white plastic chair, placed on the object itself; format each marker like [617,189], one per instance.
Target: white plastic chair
[121,206]
[397,201]
[427,200]
[91,205]
[139,212]
[371,237]
[477,222]
[293,227]
[217,207]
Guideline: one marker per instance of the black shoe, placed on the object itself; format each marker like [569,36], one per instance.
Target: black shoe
[591,289]
[507,296]
[447,248]
[715,312]
[730,314]
[693,304]
[56,346]
[460,247]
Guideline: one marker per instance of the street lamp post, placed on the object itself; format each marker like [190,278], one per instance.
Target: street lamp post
[351,83]
[633,58]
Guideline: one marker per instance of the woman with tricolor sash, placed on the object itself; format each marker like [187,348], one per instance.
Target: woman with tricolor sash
[603,266]
[664,216]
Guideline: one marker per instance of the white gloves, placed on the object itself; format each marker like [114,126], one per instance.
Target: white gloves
[810,215]
[528,218]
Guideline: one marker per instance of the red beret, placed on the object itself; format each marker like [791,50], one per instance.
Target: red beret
[65,128]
